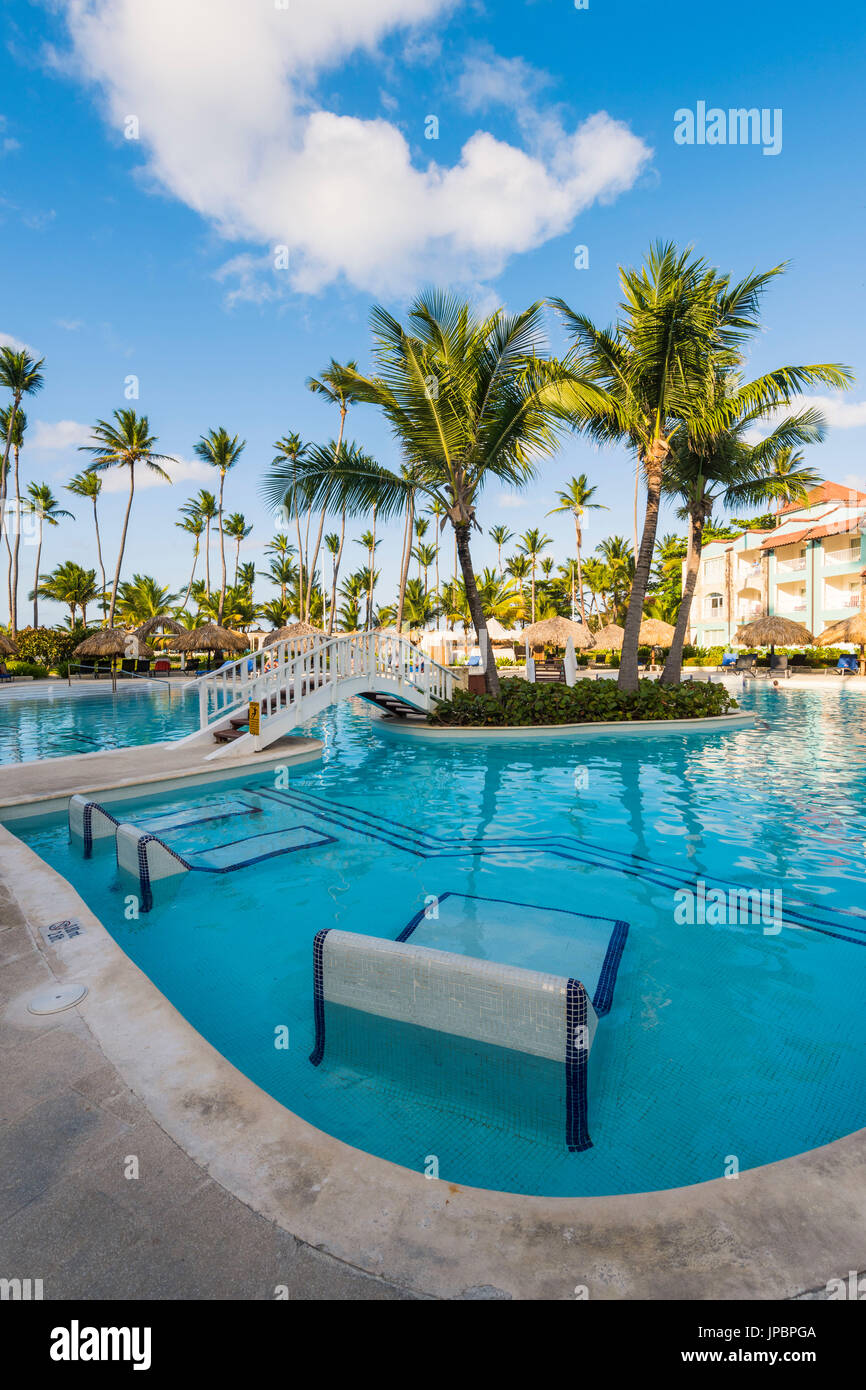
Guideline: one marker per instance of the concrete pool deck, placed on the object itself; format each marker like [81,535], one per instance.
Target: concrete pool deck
[236,1195]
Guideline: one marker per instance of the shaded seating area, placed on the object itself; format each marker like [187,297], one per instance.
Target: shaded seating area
[847,665]
[746,665]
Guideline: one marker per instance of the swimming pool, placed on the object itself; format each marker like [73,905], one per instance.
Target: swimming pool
[56,720]
[727,1043]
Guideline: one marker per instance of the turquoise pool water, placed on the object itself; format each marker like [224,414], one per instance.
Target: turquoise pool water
[56,720]
[725,1042]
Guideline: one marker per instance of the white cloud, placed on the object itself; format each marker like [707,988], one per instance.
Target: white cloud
[228,115]
[839,412]
[180,470]
[63,434]
[7,340]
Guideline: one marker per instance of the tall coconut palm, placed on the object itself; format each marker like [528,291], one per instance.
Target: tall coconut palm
[194,524]
[370,544]
[125,442]
[577,499]
[283,572]
[333,547]
[142,598]
[518,567]
[617,575]
[681,322]
[705,468]
[335,385]
[247,576]
[500,536]
[89,485]
[425,555]
[16,424]
[531,544]
[467,398]
[47,511]
[222,451]
[22,375]
[204,504]
[290,453]
[236,529]
[70,585]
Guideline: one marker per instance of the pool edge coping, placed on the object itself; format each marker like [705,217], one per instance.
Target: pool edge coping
[724,1238]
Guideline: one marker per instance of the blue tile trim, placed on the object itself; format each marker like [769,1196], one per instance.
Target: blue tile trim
[318,1051]
[603,997]
[576,1054]
[428,846]
[88,824]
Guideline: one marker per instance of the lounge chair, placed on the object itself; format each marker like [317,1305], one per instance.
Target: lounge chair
[551,671]
[779,666]
[728,659]
[161,667]
[474,661]
[192,665]
[142,667]
[847,665]
[746,666]
[127,666]
[4,674]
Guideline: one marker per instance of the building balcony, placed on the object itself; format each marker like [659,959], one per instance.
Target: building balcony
[747,612]
[842,557]
[791,566]
[784,610]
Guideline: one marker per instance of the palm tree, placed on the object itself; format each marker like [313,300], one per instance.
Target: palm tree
[333,545]
[143,597]
[69,585]
[469,399]
[425,555]
[282,571]
[577,499]
[500,536]
[352,590]
[681,322]
[44,504]
[370,544]
[617,574]
[518,567]
[194,524]
[237,530]
[247,576]
[335,384]
[531,544]
[704,467]
[89,485]
[21,374]
[222,451]
[276,612]
[13,426]
[205,505]
[290,452]
[124,444]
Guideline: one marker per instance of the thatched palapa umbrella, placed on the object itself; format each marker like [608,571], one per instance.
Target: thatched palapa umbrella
[211,638]
[160,625]
[7,646]
[284,634]
[609,638]
[555,632]
[848,630]
[773,632]
[111,642]
[655,633]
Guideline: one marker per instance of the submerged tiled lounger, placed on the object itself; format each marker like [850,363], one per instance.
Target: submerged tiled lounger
[529,1011]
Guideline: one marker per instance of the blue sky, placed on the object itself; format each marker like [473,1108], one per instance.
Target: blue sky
[260,126]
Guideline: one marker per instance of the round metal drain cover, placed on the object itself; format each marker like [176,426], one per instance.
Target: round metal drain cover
[56,999]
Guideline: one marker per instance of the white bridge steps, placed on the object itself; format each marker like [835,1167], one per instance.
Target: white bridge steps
[295,680]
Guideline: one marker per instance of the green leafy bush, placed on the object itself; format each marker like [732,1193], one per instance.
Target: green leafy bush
[587,702]
[49,646]
[26,668]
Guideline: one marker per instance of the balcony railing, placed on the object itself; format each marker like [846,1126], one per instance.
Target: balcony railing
[791,566]
[784,609]
[842,557]
[747,611]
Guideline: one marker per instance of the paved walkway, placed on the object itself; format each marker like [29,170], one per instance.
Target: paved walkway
[69,1215]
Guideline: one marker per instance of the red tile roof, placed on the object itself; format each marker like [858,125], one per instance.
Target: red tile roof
[814,533]
[827,492]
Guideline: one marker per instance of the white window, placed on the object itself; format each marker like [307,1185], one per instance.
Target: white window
[715,567]
[713,605]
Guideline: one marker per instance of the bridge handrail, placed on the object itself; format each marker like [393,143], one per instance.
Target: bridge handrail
[300,664]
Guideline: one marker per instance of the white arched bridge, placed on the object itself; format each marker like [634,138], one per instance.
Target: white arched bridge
[292,681]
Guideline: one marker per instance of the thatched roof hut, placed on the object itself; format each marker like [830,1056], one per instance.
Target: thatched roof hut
[851,629]
[655,633]
[773,632]
[555,632]
[7,646]
[609,638]
[114,641]
[284,634]
[160,625]
[210,638]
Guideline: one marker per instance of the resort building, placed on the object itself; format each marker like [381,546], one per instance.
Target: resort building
[807,567]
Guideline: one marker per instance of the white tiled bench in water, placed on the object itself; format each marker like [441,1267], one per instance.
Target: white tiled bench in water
[526,1010]
[88,821]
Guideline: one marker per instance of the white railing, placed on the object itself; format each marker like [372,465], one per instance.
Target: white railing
[283,676]
[842,557]
[791,566]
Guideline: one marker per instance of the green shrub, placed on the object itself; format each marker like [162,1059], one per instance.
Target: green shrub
[523,704]
[49,646]
[26,668]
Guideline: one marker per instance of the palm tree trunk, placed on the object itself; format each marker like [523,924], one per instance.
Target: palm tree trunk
[491,676]
[312,570]
[404,559]
[337,560]
[36,581]
[372,575]
[222,551]
[13,413]
[13,607]
[99,554]
[578,539]
[207,557]
[628,677]
[237,561]
[9,574]
[533,591]
[122,545]
[192,577]
[672,674]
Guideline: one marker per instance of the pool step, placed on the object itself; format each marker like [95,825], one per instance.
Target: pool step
[395,707]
